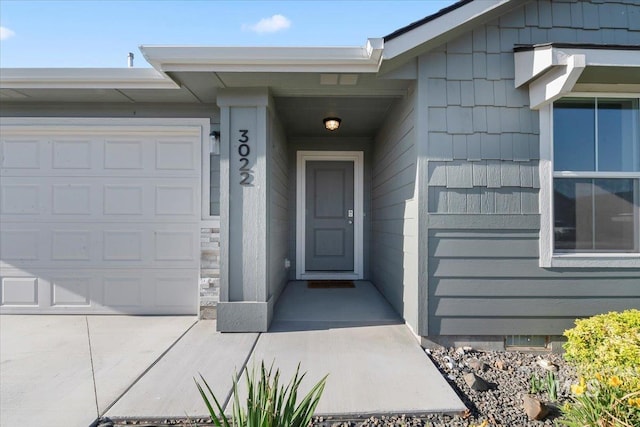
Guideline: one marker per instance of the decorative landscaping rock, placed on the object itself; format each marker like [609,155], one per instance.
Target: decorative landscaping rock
[534,407]
[500,406]
[499,364]
[475,382]
[477,365]
[549,366]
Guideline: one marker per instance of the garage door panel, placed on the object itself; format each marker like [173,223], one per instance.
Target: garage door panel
[123,245]
[72,153]
[112,245]
[20,199]
[19,291]
[72,291]
[100,219]
[99,291]
[20,244]
[21,153]
[98,199]
[151,156]
[124,154]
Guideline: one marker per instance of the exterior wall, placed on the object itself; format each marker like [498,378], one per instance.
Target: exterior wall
[210,233]
[483,151]
[394,245]
[331,143]
[278,220]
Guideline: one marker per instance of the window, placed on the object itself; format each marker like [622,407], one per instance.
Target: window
[596,176]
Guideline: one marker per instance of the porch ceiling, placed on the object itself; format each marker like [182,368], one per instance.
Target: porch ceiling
[361,116]
[303,99]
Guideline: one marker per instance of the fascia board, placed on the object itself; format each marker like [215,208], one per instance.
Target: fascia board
[84,78]
[603,57]
[440,26]
[531,64]
[556,82]
[265,59]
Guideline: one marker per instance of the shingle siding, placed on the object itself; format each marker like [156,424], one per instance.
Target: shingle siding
[484,164]
[476,113]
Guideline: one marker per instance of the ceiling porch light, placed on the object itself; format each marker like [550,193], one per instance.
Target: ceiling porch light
[332,123]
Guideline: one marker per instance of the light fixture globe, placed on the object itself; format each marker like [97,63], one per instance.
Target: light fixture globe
[332,123]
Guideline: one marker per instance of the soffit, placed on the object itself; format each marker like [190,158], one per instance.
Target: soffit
[361,116]
[604,74]
[202,87]
[181,95]
[204,84]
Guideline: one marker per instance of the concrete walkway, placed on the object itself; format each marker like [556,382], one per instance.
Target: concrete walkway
[67,370]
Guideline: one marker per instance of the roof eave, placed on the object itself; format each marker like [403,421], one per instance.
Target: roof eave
[84,78]
[437,29]
[365,59]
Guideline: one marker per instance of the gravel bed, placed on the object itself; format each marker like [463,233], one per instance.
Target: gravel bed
[508,375]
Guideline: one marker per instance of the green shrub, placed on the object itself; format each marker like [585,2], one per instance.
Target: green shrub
[601,402]
[268,404]
[605,349]
[607,345]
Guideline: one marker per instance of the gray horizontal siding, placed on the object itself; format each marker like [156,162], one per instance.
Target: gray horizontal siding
[488,282]
[278,227]
[393,239]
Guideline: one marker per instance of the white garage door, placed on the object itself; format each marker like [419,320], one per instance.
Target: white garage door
[100,218]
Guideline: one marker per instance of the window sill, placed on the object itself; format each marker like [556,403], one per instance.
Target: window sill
[595,260]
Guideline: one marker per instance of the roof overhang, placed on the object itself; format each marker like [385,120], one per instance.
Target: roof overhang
[554,70]
[365,59]
[85,78]
[437,29]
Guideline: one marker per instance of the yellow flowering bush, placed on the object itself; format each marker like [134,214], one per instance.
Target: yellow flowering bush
[597,403]
[605,350]
[607,345]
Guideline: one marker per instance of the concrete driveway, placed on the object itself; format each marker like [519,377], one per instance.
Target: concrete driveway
[68,370]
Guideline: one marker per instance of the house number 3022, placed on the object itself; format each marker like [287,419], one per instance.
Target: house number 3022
[243,150]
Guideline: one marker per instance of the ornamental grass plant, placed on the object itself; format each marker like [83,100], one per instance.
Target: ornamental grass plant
[605,350]
[268,404]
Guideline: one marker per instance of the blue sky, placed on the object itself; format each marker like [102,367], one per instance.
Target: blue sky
[81,33]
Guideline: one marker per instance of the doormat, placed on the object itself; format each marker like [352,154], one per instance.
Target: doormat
[330,284]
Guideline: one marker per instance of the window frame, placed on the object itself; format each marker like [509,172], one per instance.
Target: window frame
[548,256]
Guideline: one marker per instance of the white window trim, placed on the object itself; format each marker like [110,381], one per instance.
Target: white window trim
[358,199]
[548,258]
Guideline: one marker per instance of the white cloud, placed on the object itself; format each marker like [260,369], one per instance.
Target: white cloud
[269,25]
[6,33]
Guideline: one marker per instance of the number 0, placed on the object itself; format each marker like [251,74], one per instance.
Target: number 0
[244,150]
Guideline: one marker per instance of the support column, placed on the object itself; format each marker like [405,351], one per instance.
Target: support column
[244,305]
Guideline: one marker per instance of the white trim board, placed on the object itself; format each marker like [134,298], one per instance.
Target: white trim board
[357,157]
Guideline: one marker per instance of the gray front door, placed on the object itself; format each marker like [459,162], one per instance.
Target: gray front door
[329,216]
